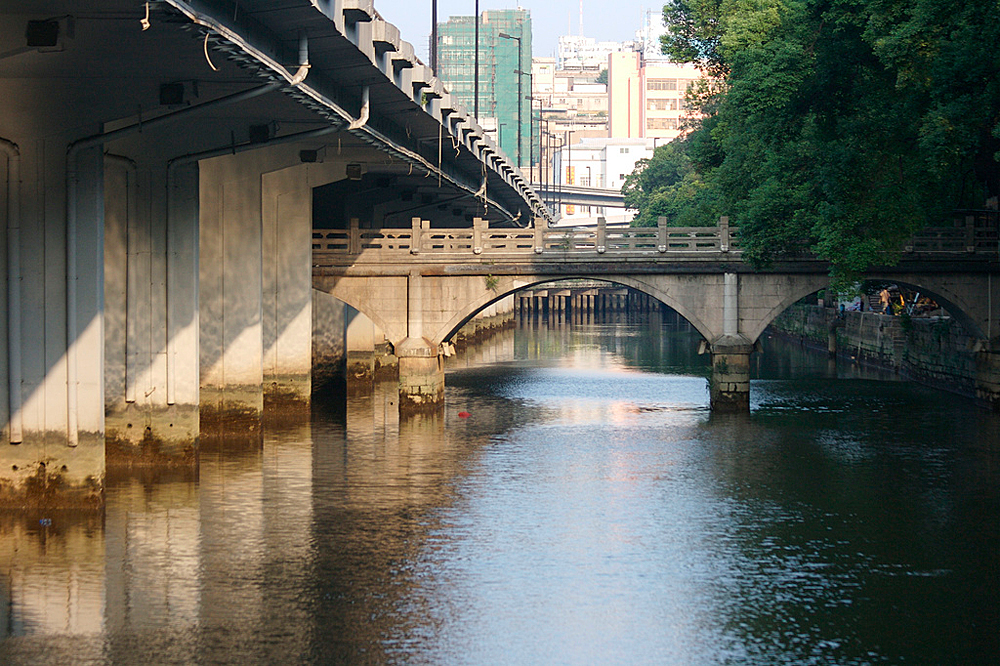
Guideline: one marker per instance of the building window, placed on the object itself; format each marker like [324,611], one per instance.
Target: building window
[663,104]
[661,84]
[623,151]
[662,123]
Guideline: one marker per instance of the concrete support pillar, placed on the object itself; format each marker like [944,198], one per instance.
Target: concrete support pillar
[730,383]
[57,250]
[151,314]
[231,298]
[286,216]
[329,352]
[359,340]
[421,368]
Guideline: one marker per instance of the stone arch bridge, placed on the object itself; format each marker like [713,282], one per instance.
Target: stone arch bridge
[419,285]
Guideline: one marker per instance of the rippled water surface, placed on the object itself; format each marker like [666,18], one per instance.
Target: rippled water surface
[589,510]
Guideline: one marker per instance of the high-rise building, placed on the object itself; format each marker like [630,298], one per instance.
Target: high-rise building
[504,72]
[647,99]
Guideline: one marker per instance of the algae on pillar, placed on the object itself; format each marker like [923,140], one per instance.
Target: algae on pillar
[421,369]
[729,387]
[421,378]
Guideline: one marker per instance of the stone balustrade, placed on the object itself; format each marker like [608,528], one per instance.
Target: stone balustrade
[970,235]
[385,244]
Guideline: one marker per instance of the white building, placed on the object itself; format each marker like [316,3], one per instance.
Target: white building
[586,53]
[601,163]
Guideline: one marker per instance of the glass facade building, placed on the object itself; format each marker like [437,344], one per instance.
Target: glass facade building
[500,66]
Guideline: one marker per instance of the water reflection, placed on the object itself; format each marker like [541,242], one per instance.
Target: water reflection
[586,508]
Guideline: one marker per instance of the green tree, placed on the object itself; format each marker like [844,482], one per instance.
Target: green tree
[837,125]
[668,185]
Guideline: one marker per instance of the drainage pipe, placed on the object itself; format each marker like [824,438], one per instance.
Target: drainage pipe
[13,154]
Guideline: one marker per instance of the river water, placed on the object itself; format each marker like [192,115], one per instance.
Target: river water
[577,503]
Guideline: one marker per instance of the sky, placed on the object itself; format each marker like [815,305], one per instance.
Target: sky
[604,21]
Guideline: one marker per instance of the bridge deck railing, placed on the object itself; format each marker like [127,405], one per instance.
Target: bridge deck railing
[973,233]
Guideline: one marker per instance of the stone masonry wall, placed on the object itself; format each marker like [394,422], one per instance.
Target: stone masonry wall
[933,351]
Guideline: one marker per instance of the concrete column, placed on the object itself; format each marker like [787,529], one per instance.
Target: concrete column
[421,368]
[151,304]
[231,297]
[329,350]
[287,287]
[730,305]
[59,458]
[988,379]
[730,383]
[359,340]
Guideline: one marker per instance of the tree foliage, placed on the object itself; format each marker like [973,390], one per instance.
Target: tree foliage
[839,125]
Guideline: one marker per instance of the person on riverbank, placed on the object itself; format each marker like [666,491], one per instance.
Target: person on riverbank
[884,299]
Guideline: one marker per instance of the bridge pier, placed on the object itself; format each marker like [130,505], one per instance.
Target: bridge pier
[51,301]
[421,378]
[729,386]
[421,368]
[988,379]
[151,313]
[359,340]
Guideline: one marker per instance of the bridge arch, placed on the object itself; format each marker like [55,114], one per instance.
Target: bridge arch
[507,285]
[944,294]
[789,293]
[943,291]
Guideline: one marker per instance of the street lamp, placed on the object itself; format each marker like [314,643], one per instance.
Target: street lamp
[475,68]
[434,36]
[520,73]
[531,135]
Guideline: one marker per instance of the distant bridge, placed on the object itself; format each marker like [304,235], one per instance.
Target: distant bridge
[421,284]
[581,196]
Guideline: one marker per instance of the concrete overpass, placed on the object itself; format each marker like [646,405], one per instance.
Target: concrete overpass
[581,196]
[148,298]
[170,173]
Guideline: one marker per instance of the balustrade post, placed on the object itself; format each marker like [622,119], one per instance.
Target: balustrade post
[415,235]
[601,234]
[540,229]
[478,225]
[970,234]
[724,233]
[354,236]
[661,225]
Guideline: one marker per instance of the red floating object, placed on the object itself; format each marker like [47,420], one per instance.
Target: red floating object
[464,415]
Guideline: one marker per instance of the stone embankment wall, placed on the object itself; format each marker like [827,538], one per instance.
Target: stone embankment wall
[933,351]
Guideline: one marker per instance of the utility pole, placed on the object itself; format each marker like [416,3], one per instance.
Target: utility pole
[520,99]
[475,69]
[434,36]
